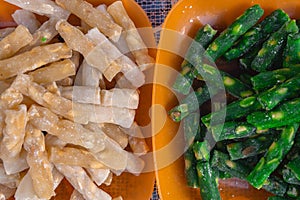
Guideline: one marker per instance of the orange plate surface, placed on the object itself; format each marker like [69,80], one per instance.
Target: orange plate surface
[181,24]
[131,187]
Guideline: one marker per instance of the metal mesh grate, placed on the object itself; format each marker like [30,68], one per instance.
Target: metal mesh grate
[157,11]
[155,195]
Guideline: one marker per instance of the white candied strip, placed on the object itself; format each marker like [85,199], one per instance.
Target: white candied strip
[88,76]
[82,182]
[82,94]
[117,159]
[27,19]
[16,164]
[93,17]
[41,7]
[114,132]
[112,156]
[138,145]
[99,175]
[54,72]
[80,113]
[13,134]
[121,44]
[40,56]
[128,67]
[123,98]
[8,46]
[40,168]
[65,130]
[25,190]
[84,113]
[135,165]
[133,38]
[96,57]
[74,157]
[10,181]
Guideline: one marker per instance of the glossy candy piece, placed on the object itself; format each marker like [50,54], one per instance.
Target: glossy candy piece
[285,114]
[249,147]
[258,33]
[194,56]
[273,157]
[232,130]
[277,94]
[292,50]
[272,47]
[234,110]
[207,181]
[232,33]
[268,79]
[190,103]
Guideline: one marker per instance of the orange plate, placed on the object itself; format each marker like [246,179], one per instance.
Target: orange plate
[181,24]
[131,187]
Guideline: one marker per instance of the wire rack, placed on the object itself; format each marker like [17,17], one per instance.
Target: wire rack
[157,11]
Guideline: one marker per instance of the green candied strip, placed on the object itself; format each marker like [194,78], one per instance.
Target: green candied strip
[205,35]
[184,80]
[270,49]
[207,181]
[206,176]
[190,169]
[293,191]
[232,33]
[192,131]
[266,80]
[232,85]
[232,130]
[287,90]
[191,103]
[284,114]
[194,54]
[202,151]
[292,50]
[251,37]
[222,162]
[294,166]
[237,169]
[235,87]
[258,34]
[249,147]
[273,157]
[234,110]
[203,38]
[289,177]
